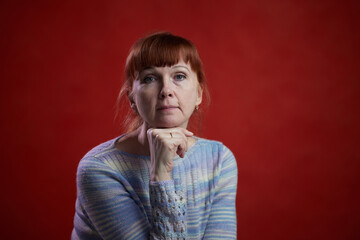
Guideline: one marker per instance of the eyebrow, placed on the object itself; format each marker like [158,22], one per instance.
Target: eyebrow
[175,66]
[146,68]
[181,66]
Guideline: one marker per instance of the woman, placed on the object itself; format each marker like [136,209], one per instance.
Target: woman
[158,181]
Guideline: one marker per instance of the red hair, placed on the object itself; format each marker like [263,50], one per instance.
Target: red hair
[159,50]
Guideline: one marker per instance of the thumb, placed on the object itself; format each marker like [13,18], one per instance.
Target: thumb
[188,133]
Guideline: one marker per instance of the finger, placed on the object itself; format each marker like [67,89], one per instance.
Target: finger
[182,133]
[187,132]
[172,133]
[181,152]
[163,132]
[150,133]
[174,137]
[182,147]
[182,137]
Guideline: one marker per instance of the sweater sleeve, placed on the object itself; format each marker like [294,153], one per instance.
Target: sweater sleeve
[115,213]
[222,219]
[168,211]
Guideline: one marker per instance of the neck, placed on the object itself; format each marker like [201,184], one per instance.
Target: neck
[142,137]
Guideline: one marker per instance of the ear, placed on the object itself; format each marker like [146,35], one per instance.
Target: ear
[199,95]
[131,99]
[133,105]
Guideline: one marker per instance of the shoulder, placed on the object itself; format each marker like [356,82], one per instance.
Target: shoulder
[99,156]
[98,166]
[102,149]
[217,157]
[212,146]
[212,149]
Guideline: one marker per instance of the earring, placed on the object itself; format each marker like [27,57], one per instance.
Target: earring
[133,107]
[197,107]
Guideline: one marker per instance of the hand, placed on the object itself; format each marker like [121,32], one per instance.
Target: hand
[164,145]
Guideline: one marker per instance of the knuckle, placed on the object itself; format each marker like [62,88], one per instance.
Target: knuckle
[154,133]
[149,131]
[159,137]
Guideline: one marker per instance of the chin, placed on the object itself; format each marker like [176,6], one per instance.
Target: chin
[169,124]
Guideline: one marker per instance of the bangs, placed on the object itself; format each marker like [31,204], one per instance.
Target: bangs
[166,50]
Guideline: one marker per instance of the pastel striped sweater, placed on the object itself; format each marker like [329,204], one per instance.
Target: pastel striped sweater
[117,200]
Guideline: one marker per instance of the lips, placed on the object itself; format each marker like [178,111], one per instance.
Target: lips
[166,107]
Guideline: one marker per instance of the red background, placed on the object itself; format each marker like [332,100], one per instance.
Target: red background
[284,79]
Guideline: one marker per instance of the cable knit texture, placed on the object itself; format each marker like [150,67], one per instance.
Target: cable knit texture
[117,200]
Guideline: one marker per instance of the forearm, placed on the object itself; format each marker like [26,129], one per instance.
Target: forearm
[222,220]
[168,211]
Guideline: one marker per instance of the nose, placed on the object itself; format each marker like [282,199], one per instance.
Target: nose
[166,89]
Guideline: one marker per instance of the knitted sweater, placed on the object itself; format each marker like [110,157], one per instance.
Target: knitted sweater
[117,200]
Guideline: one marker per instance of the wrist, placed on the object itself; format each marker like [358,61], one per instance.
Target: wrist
[160,177]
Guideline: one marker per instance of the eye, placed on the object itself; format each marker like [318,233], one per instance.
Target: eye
[180,77]
[148,79]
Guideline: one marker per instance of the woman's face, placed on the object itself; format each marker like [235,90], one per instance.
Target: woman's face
[166,97]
